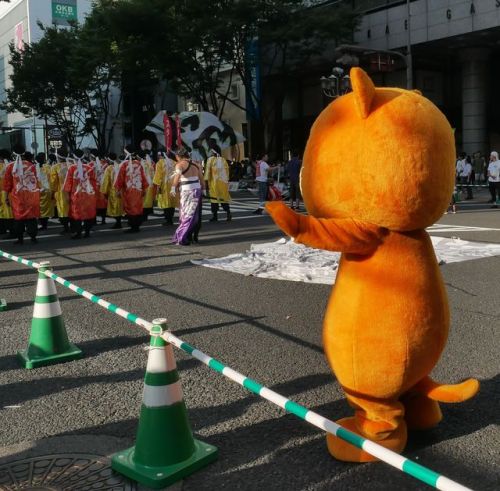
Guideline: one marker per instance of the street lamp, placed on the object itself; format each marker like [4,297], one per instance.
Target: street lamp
[336,84]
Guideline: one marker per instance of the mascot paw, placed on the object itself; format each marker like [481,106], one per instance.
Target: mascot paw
[342,450]
[286,219]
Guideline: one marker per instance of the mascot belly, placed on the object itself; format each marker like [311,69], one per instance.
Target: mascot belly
[378,169]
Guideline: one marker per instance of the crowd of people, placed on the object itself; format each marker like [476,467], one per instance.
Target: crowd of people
[472,170]
[83,189]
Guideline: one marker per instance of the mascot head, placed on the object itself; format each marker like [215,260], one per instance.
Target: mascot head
[381,155]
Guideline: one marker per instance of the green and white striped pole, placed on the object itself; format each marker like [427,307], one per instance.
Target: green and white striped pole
[48,343]
[165,450]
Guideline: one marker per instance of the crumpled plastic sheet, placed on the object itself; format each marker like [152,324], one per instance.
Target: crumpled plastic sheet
[287,260]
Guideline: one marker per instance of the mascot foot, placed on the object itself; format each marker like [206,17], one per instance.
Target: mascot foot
[421,413]
[342,450]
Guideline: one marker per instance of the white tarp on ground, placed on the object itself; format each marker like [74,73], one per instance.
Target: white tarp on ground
[286,260]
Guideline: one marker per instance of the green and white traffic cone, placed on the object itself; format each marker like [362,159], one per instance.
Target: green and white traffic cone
[48,343]
[165,450]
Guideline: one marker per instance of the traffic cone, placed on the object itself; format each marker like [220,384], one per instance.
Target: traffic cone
[48,343]
[165,450]
[3,304]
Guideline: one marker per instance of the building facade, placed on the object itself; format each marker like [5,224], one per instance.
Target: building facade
[19,24]
[455,47]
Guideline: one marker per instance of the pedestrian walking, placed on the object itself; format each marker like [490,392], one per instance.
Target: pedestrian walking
[466,176]
[22,186]
[217,182]
[132,184]
[81,186]
[189,179]
[293,170]
[262,169]
[494,179]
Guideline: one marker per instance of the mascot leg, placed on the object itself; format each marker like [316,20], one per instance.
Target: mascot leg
[378,420]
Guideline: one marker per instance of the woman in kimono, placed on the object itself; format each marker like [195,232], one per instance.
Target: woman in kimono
[22,186]
[6,216]
[46,194]
[115,206]
[58,174]
[99,170]
[217,177]
[188,179]
[149,197]
[162,181]
[81,186]
[132,184]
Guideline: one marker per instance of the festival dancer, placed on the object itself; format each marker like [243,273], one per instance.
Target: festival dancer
[189,178]
[217,177]
[46,196]
[149,171]
[131,182]
[6,216]
[99,170]
[81,186]
[115,206]
[21,182]
[162,181]
[59,170]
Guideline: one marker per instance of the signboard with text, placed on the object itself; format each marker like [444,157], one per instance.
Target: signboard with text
[64,12]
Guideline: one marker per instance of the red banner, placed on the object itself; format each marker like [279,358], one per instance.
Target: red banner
[178,129]
[167,131]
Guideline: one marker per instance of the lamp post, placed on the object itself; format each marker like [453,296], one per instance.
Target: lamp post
[336,84]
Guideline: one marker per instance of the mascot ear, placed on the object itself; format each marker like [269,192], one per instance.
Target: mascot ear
[364,91]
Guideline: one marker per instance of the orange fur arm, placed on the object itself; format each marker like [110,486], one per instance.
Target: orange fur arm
[343,235]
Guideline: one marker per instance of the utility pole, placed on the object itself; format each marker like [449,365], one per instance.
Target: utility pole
[409,62]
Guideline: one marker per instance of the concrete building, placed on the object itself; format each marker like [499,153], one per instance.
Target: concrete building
[19,24]
[456,58]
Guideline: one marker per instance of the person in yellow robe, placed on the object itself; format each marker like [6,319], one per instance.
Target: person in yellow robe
[58,173]
[6,216]
[115,205]
[47,203]
[165,169]
[149,197]
[217,177]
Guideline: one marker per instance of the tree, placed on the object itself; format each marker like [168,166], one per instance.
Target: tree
[67,77]
[200,50]
[40,82]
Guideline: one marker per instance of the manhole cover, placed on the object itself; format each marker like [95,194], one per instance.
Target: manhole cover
[63,472]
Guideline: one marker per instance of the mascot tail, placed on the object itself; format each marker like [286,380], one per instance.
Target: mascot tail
[447,393]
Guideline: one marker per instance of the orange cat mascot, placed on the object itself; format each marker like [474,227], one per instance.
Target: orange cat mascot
[379,168]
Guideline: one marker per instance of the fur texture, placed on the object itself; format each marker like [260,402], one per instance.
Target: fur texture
[378,169]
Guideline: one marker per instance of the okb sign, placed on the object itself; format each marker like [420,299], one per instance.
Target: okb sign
[63,12]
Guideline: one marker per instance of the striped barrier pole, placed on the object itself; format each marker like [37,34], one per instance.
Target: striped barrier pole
[409,467]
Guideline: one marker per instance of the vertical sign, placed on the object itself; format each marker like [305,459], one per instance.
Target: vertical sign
[18,37]
[64,12]
[252,67]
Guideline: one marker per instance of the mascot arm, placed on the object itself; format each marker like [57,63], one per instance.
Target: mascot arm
[343,235]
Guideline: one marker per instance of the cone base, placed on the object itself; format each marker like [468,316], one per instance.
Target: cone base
[72,353]
[160,477]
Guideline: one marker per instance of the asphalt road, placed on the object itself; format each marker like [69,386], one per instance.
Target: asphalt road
[267,329]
